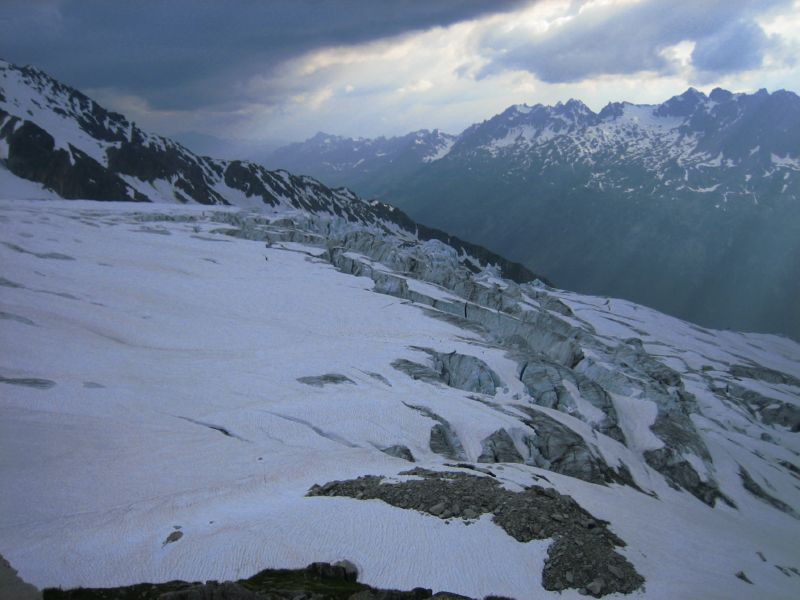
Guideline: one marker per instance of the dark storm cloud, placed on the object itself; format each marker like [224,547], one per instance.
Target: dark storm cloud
[737,47]
[183,54]
[626,39]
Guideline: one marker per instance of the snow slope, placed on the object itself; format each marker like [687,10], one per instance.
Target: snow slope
[150,368]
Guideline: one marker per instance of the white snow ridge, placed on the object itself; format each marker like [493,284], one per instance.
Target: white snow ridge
[198,369]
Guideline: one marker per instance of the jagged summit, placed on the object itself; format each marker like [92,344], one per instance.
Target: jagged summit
[679,114]
[683,105]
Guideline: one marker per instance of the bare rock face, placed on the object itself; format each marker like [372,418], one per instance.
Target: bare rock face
[32,155]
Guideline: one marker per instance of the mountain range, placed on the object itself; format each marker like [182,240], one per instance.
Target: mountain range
[691,206]
[56,142]
[211,371]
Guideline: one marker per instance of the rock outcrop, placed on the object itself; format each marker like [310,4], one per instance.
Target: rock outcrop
[318,581]
[581,557]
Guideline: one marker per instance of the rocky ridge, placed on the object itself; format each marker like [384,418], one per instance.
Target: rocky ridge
[363,162]
[55,136]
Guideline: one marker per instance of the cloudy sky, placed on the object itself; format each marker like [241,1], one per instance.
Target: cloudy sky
[285,69]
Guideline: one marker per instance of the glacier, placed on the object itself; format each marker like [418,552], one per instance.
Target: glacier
[154,371]
[240,369]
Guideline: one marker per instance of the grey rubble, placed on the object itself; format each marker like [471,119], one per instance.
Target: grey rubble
[582,555]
